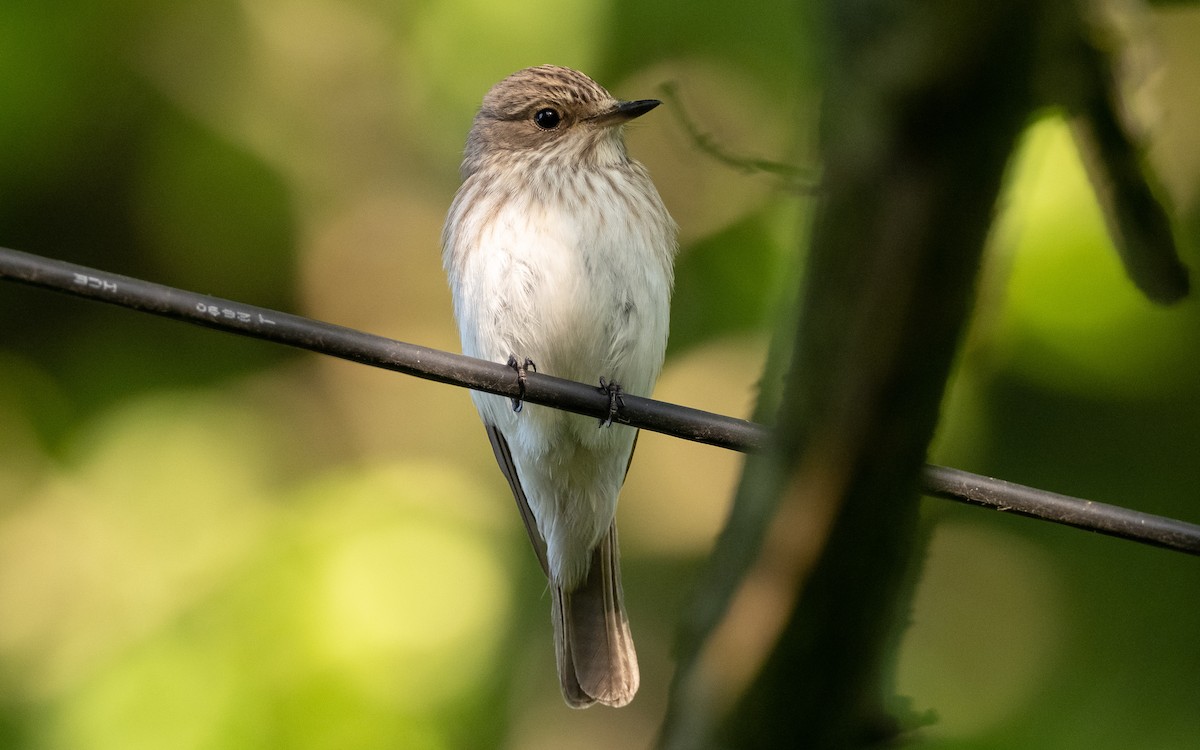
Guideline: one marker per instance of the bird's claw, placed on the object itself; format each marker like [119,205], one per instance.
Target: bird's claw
[522,369]
[615,402]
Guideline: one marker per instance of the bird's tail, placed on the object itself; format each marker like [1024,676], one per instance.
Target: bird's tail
[596,659]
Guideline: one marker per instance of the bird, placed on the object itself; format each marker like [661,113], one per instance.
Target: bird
[559,254]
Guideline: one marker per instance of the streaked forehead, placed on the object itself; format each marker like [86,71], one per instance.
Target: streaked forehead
[543,83]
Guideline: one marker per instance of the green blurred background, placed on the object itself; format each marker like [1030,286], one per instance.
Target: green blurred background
[210,542]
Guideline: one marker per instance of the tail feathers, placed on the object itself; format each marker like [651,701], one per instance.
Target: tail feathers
[596,658]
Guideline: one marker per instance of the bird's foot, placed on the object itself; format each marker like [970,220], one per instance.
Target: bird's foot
[615,402]
[522,368]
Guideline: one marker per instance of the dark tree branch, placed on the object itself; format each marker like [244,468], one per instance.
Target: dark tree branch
[800,610]
[494,377]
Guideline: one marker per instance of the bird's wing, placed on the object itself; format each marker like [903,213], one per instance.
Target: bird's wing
[632,449]
[505,459]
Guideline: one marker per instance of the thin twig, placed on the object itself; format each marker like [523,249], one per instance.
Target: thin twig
[795,179]
[494,377]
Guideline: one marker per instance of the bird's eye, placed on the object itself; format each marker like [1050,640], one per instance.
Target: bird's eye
[547,119]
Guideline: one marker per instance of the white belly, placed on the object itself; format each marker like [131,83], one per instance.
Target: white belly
[583,300]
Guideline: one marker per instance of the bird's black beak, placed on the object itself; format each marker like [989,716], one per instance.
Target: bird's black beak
[625,111]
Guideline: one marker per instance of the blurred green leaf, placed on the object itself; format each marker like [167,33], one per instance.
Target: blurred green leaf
[214,216]
[772,39]
[724,283]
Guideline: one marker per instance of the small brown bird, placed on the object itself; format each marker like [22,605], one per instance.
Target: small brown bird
[560,252]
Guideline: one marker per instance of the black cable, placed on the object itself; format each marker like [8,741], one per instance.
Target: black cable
[377,351]
[1113,520]
[657,416]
